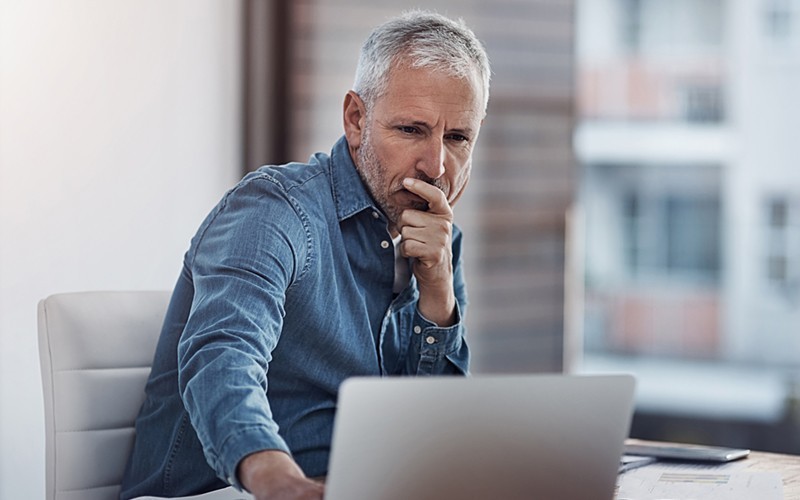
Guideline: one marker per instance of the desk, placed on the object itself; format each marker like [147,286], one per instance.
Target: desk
[787,465]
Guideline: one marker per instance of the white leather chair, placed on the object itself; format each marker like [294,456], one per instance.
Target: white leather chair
[95,350]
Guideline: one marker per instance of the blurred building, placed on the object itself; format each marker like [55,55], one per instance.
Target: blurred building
[690,202]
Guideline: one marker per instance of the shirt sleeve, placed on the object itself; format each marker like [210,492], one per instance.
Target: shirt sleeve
[242,261]
[435,350]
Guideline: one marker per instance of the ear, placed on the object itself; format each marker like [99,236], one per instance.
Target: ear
[355,115]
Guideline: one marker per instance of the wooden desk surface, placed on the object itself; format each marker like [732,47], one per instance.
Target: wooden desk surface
[787,465]
[758,461]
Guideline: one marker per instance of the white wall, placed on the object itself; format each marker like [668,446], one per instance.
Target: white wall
[119,130]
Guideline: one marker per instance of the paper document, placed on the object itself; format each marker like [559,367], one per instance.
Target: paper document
[680,481]
[228,493]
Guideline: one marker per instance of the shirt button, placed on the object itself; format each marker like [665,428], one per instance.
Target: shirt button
[384,244]
[430,340]
[376,215]
[417,329]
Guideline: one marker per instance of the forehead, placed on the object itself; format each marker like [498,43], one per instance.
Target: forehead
[426,91]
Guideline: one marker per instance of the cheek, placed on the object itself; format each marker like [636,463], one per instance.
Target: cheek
[397,165]
[460,181]
[462,176]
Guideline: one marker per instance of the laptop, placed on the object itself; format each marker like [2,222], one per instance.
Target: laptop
[548,437]
[551,437]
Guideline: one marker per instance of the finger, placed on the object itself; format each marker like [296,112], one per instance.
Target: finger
[421,218]
[429,246]
[437,202]
[417,250]
[423,227]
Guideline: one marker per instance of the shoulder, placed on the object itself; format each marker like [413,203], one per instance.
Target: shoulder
[276,204]
[290,177]
[288,191]
[270,198]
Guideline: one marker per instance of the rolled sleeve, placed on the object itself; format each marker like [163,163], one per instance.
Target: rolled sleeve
[241,444]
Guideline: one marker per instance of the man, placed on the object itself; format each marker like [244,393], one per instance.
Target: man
[306,274]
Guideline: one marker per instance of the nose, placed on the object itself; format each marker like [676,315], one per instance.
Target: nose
[432,161]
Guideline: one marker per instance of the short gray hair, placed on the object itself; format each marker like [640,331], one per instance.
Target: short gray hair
[423,40]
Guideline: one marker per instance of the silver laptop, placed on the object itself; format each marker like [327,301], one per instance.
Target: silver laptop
[551,437]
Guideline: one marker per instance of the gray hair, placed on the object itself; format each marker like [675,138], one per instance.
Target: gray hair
[423,40]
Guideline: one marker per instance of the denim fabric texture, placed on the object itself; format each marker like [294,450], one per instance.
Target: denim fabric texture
[285,291]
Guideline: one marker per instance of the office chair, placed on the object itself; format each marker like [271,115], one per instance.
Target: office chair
[95,350]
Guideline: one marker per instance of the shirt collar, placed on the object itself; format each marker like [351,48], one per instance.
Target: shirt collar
[350,195]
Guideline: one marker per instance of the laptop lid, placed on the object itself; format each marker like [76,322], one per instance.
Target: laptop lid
[510,437]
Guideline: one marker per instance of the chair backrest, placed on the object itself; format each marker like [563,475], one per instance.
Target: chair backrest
[95,349]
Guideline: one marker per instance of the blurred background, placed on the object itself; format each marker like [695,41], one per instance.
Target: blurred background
[634,206]
[689,202]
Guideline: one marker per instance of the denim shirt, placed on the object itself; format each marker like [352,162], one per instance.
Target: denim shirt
[285,291]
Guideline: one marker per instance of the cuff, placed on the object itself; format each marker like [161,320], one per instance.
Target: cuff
[437,341]
[243,443]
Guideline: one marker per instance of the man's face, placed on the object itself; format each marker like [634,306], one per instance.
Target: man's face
[423,127]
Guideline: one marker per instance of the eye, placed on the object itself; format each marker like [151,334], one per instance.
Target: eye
[458,138]
[407,129]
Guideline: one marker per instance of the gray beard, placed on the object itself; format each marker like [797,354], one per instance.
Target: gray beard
[373,174]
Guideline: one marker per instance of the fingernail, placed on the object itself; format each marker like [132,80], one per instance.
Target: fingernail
[408,181]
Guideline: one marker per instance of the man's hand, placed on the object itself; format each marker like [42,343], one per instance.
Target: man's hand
[273,475]
[427,238]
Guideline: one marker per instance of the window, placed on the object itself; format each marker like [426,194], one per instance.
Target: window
[782,240]
[668,218]
[779,19]
[631,29]
[673,235]
[703,104]
[781,27]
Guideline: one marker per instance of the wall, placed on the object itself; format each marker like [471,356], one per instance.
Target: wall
[119,129]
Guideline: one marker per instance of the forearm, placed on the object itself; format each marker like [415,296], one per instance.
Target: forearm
[438,306]
[438,345]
